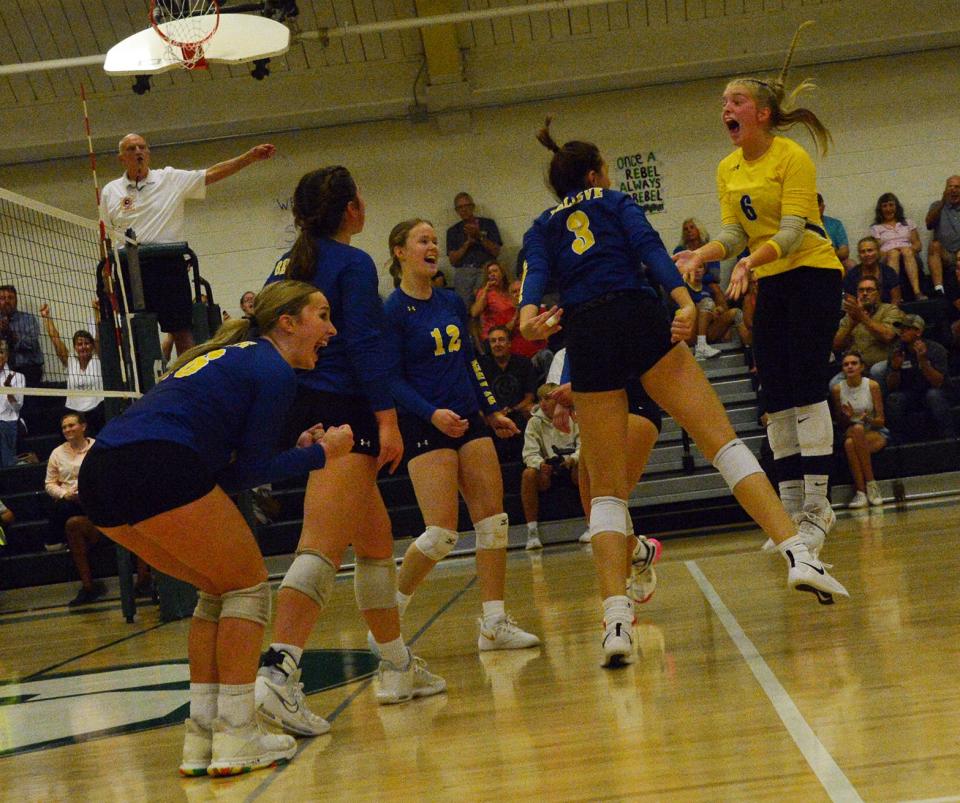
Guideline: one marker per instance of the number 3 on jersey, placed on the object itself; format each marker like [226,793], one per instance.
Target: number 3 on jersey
[579,224]
[453,332]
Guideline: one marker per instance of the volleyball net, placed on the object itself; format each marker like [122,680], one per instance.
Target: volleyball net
[51,302]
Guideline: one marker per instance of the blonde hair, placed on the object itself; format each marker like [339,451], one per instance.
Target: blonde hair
[546,389]
[704,234]
[285,297]
[771,95]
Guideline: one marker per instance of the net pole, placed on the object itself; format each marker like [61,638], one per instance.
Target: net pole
[105,246]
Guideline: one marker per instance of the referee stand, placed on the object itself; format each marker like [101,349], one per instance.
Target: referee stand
[176,598]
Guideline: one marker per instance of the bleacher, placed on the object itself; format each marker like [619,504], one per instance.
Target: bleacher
[680,491]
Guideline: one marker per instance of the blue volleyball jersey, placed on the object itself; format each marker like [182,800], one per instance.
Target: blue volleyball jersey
[592,243]
[356,362]
[228,406]
[438,369]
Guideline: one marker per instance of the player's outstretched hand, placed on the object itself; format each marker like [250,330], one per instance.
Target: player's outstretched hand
[687,262]
[739,280]
[502,426]
[337,441]
[449,423]
[540,327]
[681,327]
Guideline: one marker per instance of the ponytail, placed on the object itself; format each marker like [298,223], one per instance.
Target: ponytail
[570,164]
[319,203]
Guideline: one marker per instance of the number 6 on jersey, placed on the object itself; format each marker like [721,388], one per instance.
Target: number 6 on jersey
[579,224]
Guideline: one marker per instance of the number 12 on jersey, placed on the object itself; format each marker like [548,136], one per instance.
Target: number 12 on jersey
[579,224]
[453,332]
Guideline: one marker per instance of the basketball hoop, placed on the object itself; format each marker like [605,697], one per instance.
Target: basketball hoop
[185,26]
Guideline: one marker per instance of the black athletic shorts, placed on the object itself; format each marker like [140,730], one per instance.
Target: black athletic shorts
[613,338]
[639,403]
[333,410]
[129,484]
[166,289]
[420,437]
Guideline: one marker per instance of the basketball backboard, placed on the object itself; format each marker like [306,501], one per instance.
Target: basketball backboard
[240,38]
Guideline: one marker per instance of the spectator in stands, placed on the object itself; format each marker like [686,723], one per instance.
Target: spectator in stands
[858,411]
[67,519]
[151,202]
[868,249]
[915,378]
[83,368]
[514,383]
[6,519]
[10,406]
[548,455]
[899,241]
[837,234]
[246,303]
[714,315]
[493,305]
[22,333]
[518,343]
[867,325]
[943,219]
[471,243]
[694,234]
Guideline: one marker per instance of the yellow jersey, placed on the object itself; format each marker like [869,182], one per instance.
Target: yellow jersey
[757,194]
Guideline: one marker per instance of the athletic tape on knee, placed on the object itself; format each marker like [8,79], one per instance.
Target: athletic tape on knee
[782,433]
[493,531]
[375,583]
[208,607]
[312,574]
[436,542]
[735,461]
[815,430]
[608,514]
[252,604]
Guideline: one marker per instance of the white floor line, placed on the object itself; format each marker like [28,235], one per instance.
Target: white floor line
[836,784]
[953,799]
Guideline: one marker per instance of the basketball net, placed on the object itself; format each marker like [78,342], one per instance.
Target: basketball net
[185,26]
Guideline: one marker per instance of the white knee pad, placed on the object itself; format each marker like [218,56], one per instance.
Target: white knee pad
[252,604]
[734,461]
[375,583]
[436,542]
[608,514]
[815,430]
[493,531]
[782,433]
[313,574]
[208,607]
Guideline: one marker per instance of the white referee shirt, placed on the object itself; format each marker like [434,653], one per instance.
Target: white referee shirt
[153,208]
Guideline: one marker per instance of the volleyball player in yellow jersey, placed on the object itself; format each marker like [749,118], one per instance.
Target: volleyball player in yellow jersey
[768,201]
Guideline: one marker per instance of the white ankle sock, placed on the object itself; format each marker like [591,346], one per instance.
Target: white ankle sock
[532,527]
[701,340]
[618,609]
[791,494]
[815,492]
[493,611]
[403,600]
[235,704]
[395,652]
[203,703]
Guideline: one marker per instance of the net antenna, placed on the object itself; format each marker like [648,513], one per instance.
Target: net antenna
[185,26]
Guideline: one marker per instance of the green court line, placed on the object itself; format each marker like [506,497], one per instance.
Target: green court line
[364,685]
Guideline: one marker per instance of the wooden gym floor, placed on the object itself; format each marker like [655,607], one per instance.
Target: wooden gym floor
[741,689]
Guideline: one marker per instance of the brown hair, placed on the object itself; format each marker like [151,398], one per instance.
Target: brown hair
[570,164]
[770,95]
[398,239]
[319,202]
[505,277]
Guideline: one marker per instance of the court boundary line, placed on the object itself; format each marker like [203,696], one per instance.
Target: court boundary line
[362,687]
[831,777]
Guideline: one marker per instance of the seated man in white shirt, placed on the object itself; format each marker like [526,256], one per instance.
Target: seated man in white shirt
[10,405]
[549,455]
